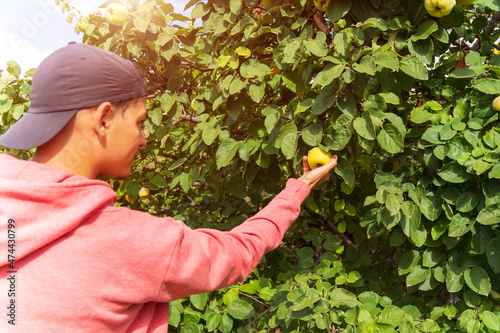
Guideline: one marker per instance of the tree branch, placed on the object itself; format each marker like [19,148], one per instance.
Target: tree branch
[331,227]
[186,117]
[487,30]
[291,252]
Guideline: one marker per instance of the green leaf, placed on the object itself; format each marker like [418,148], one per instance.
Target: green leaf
[454,278]
[340,296]
[460,225]
[424,30]
[467,201]
[430,206]
[347,104]
[369,298]
[309,297]
[142,21]
[392,204]
[240,309]
[407,261]
[223,60]
[462,73]
[327,75]
[257,92]
[488,86]
[432,257]
[312,134]
[478,280]
[454,173]
[420,115]
[236,86]
[493,254]
[156,116]
[213,321]
[414,68]
[252,68]
[293,81]
[272,116]
[199,300]
[235,6]
[177,163]
[230,295]
[167,100]
[410,219]
[166,36]
[398,122]
[13,68]
[495,171]
[5,105]
[492,138]
[489,215]
[226,151]
[417,275]
[490,320]
[390,98]
[390,139]
[200,10]
[304,106]
[243,51]
[447,133]
[366,65]
[291,49]
[191,327]
[318,45]
[364,127]
[209,134]
[345,170]
[174,313]
[338,9]
[226,324]
[323,101]
[159,181]
[289,145]
[392,315]
[387,59]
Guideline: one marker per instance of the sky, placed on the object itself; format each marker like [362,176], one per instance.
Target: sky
[32,29]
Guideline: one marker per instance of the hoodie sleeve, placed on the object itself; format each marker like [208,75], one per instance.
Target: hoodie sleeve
[206,259]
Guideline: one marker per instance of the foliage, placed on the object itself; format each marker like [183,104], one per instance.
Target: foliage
[405,235]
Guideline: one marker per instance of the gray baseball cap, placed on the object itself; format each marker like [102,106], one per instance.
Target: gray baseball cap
[74,77]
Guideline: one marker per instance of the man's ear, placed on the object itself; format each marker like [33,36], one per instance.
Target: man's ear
[102,118]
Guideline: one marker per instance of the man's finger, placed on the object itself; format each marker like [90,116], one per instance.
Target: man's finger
[305,164]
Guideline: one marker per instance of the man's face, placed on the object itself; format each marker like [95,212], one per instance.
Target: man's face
[124,139]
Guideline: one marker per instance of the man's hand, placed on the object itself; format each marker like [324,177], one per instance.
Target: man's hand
[319,175]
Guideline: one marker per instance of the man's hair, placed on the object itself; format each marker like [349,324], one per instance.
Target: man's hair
[123,105]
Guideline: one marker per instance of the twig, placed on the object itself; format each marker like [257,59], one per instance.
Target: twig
[186,117]
[331,227]
[250,296]
[487,30]
[291,252]
[258,318]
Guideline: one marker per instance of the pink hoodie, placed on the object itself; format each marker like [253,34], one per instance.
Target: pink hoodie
[84,265]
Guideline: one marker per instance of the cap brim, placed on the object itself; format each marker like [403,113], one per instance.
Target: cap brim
[35,129]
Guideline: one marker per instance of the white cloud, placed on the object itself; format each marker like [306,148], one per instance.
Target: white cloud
[21,51]
[29,34]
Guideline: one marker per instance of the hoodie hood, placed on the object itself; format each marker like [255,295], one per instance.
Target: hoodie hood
[45,203]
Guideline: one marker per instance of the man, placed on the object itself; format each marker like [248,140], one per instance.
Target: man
[80,264]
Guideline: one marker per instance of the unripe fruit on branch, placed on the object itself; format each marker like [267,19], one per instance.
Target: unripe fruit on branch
[496,104]
[144,192]
[321,4]
[116,14]
[439,8]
